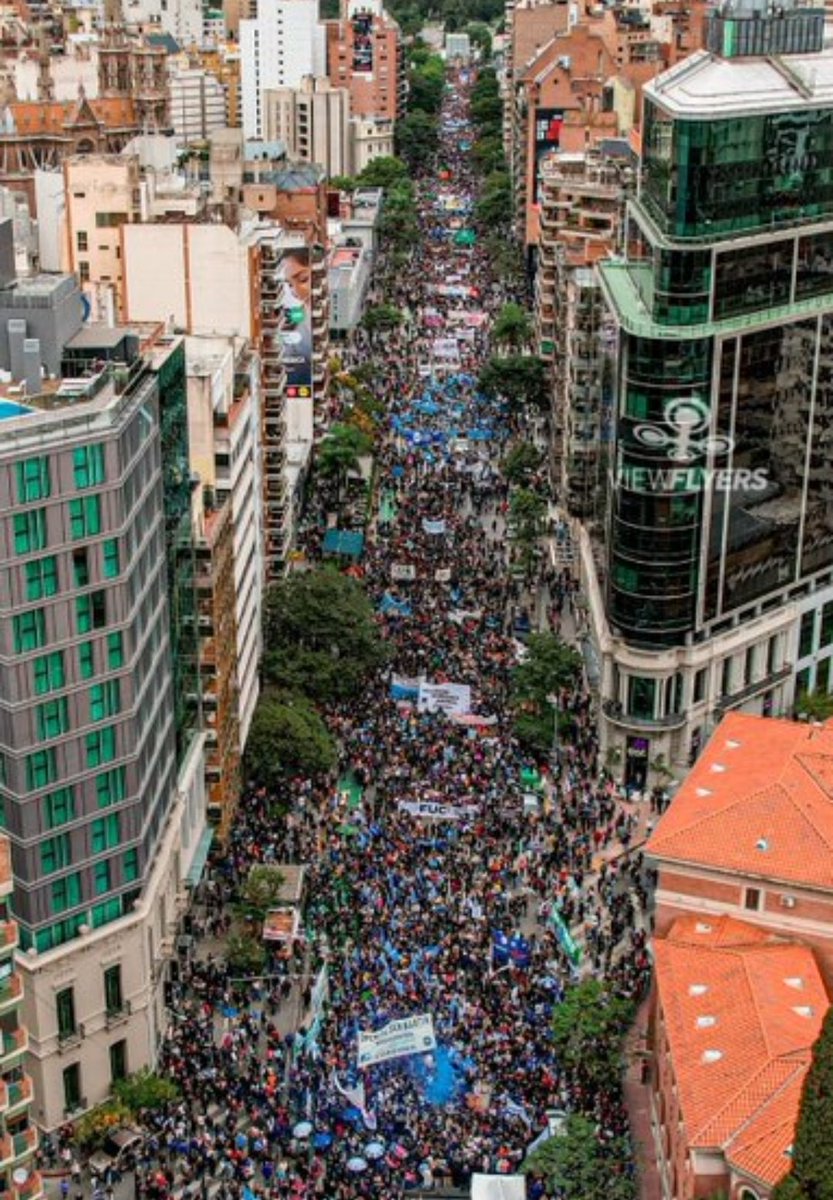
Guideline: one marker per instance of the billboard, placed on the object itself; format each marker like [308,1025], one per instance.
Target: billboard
[548,122]
[296,338]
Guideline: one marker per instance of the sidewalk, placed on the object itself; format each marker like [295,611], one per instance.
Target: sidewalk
[638,1104]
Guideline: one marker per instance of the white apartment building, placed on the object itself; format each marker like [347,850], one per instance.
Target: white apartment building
[182,19]
[278,48]
[198,104]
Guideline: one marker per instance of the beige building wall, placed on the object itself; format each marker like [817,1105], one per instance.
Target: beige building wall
[141,944]
[205,286]
[312,121]
[102,195]
[368,140]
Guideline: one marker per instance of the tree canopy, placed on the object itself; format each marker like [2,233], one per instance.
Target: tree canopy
[817,706]
[512,326]
[521,379]
[812,1158]
[579,1164]
[384,172]
[588,1030]
[320,635]
[549,666]
[287,738]
[522,462]
[494,208]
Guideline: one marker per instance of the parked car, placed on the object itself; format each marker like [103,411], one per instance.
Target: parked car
[118,1151]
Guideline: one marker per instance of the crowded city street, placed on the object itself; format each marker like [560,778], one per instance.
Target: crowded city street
[453,885]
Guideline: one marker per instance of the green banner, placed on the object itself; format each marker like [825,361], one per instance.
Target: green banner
[565,938]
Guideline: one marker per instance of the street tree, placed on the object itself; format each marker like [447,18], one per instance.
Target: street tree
[522,462]
[262,891]
[488,154]
[381,317]
[339,454]
[528,510]
[145,1091]
[549,666]
[320,635]
[245,954]
[287,738]
[520,379]
[812,1157]
[494,208]
[480,36]
[579,1164]
[815,706]
[588,1031]
[417,137]
[512,327]
[384,172]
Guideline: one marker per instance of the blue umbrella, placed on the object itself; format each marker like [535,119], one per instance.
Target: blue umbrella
[322,1139]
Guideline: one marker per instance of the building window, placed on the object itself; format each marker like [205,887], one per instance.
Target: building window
[805,637]
[115,651]
[65,1007]
[86,663]
[752,898]
[80,568]
[66,893]
[772,654]
[72,1088]
[85,517]
[49,672]
[700,685]
[41,769]
[42,578]
[59,807]
[30,531]
[81,240]
[111,787]
[802,682]
[641,697]
[106,833]
[118,1061]
[53,718]
[827,624]
[55,853]
[88,465]
[105,700]
[101,746]
[91,611]
[110,910]
[823,676]
[111,558]
[726,677]
[113,999]
[84,272]
[33,480]
[29,630]
[749,666]
[130,865]
[101,877]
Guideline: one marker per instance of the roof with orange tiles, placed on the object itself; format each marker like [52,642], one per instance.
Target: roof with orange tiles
[742,1009]
[114,112]
[758,802]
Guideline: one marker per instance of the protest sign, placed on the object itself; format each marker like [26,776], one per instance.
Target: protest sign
[410,1035]
[405,571]
[450,698]
[431,810]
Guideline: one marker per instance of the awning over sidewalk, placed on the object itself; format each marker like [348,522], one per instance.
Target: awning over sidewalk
[200,858]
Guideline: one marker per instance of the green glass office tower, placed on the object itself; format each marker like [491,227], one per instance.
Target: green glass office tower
[720,504]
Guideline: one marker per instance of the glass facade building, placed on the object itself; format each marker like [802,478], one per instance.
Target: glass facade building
[721,490]
[87,736]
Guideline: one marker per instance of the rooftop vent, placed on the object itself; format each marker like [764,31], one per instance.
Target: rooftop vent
[706,1022]
[712,1056]
[697,989]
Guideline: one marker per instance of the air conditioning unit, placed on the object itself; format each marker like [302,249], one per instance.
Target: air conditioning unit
[788,901]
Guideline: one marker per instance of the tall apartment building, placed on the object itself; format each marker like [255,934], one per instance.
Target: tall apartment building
[102,792]
[102,194]
[582,203]
[18,1137]
[719,531]
[313,122]
[198,104]
[278,47]
[365,55]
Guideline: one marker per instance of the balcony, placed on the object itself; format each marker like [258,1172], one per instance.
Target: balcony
[19,1093]
[118,1015]
[733,699]
[15,1042]
[32,1189]
[11,993]
[614,712]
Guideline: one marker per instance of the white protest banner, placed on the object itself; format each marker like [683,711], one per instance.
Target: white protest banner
[430,810]
[434,527]
[410,1035]
[442,574]
[402,571]
[454,699]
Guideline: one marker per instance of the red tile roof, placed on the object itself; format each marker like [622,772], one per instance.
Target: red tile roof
[758,802]
[741,1011]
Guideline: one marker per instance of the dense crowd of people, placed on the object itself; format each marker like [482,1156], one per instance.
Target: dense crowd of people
[447,917]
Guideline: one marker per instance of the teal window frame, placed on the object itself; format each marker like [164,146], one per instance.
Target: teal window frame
[85,516]
[29,630]
[101,746]
[41,578]
[111,787]
[41,768]
[105,700]
[53,718]
[111,558]
[33,479]
[86,660]
[30,531]
[55,853]
[130,865]
[105,833]
[101,878]
[59,807]
[66,892]
[48,672]
[115,650]
[88,465]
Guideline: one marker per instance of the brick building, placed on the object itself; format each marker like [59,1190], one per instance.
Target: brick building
[735,1013]
[749,833]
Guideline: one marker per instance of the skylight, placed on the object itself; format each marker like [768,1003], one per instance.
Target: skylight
[712,1056]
